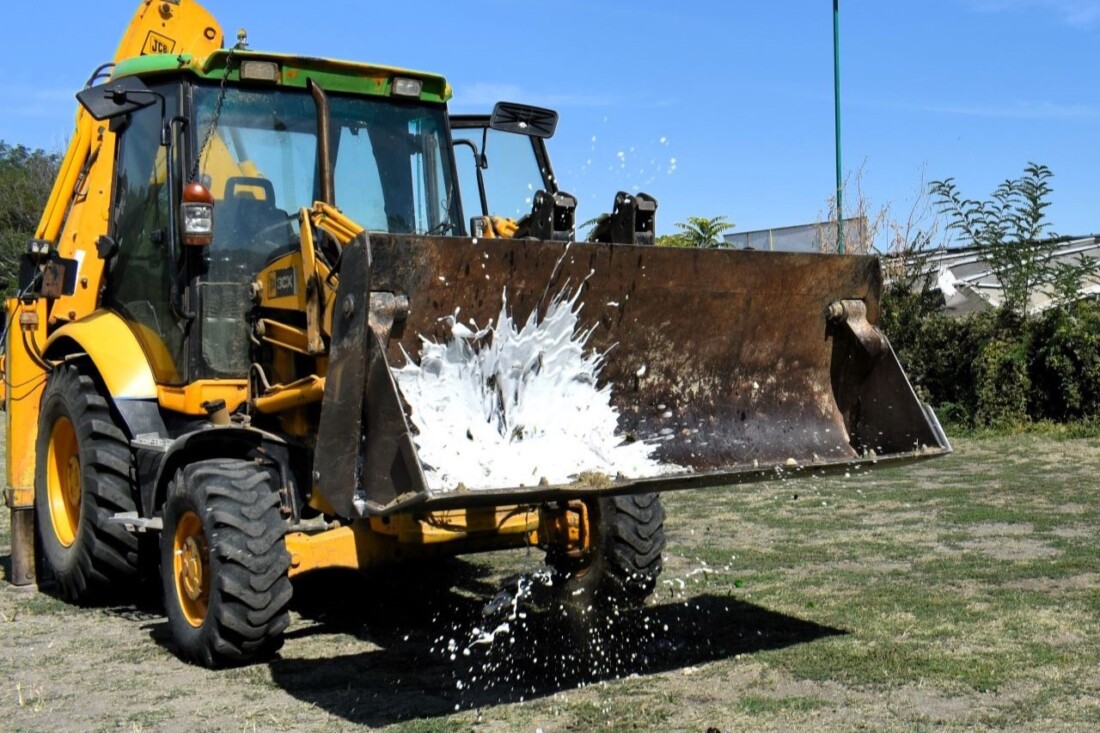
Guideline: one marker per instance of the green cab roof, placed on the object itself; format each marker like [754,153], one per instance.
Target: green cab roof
[333,75]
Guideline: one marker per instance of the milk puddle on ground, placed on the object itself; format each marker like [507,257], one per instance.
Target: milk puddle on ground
[526,643]
[507,405]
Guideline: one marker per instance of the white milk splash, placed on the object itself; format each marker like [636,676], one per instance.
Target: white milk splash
[507,406]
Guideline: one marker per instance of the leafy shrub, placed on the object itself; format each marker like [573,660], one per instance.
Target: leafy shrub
[1066,363]
[999,369]
[1003,368]
[1002,383]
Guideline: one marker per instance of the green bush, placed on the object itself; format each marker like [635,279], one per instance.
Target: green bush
[938,352]
[1002,382]
[948,349]
[1006,367]
[998,369]
[1066,363]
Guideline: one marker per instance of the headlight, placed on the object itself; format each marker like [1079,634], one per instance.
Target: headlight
[197,214]
[404,87]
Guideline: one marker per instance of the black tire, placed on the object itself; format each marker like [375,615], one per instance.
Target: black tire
[624,559]
[237,611]
[82,478]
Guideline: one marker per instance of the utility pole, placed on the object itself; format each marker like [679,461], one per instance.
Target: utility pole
[839,167]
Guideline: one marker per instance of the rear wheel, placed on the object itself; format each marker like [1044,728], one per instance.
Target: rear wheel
[82,478]
[224,563]
[620,569]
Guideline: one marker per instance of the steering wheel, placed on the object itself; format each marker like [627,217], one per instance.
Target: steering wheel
[265,235]
[256,253]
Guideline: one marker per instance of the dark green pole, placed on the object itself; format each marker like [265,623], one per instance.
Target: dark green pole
[839,167]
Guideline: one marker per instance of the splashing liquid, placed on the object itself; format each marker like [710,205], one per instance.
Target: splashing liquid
[526,643]
[515,405]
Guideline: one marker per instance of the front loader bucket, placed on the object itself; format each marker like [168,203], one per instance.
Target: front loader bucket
[717,367]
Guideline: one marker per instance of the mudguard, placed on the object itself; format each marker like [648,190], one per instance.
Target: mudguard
[114,349]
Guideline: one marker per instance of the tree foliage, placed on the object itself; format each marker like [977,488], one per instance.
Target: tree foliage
[672,240]
[1001,368]
[26,177]
[1011,232]
[702,232]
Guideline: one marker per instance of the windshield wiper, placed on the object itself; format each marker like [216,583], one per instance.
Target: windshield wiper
[445,226]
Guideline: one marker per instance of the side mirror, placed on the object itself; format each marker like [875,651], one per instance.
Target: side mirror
[115,98]
[524,119]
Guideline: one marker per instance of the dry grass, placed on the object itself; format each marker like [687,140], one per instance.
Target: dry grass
[962,595]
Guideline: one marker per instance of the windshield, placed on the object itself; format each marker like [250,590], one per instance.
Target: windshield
[393,172]
[511,179]
[392,164]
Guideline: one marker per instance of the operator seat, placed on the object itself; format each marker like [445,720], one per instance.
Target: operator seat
[242,215]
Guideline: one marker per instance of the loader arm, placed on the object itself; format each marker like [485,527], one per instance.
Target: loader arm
[328,219]
[178,27]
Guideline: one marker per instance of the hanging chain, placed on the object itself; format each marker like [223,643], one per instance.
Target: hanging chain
[214,120]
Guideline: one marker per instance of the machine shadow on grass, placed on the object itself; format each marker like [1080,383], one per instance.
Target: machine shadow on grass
[436,656]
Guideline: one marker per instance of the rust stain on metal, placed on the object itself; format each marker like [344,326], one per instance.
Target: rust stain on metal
[725,360]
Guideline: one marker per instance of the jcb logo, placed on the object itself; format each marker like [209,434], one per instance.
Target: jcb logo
[156,43]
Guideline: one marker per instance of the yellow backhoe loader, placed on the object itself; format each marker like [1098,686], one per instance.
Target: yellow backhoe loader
[281,314]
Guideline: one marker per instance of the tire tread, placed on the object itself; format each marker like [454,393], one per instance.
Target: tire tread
[102,564]
[250,587]
[626,557]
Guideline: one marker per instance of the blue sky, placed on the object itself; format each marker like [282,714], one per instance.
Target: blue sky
[714,107]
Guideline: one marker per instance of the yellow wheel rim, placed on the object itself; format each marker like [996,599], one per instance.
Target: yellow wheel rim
[191,568]
[63,481]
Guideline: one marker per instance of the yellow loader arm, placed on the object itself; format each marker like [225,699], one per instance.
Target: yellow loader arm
[173,27]
[317,303]
[343,230]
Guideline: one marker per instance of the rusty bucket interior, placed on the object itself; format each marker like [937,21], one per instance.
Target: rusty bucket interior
[732,365]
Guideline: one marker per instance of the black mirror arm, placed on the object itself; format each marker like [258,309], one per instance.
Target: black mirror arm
[117,98]
[480,162]
[102,71]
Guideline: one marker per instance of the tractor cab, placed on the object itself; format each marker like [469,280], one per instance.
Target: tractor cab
[502,158]
[265,137]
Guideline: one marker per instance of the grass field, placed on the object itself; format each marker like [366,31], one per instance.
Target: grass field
[963,594]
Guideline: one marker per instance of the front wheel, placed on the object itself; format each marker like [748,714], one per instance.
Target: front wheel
[224,563]
[623,561]
[82,479]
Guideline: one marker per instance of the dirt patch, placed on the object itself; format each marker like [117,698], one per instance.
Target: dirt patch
[1000,529]
[869,567]
[1011,550]
[1073,508]
[1082,582]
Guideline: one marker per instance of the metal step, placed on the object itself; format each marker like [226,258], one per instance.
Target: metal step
[151,442]
[133,523]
